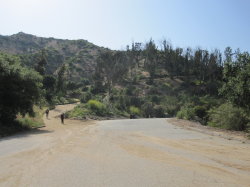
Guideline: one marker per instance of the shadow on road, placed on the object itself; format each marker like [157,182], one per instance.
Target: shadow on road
[25,134]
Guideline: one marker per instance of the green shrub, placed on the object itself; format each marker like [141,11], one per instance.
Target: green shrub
[135,101]
[136,78]
[186,112]
[159,111]
[78,112]
[85,88]
[208,101]
[155,99]
[29,122]
[134,110]
[154,90]
[97,107]
[85,81]
[147,109]
[166,88]
[227,116]
[131,90]
[171,104]
[200,111]
[75,93]
[187,98]
[120,102]
[62,100]
[141,77]
[171,110]
[85,97]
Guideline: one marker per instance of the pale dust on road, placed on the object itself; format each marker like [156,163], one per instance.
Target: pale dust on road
[142,152]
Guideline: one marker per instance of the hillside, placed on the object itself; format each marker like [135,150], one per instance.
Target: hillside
[80,55]
[143,81]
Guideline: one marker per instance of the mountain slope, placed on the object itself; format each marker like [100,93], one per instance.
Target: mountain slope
[80,55]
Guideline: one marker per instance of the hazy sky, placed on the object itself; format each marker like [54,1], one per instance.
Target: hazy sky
[115,23]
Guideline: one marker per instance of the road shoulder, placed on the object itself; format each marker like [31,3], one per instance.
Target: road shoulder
[196,126]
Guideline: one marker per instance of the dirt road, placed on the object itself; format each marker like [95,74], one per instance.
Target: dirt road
[143,152]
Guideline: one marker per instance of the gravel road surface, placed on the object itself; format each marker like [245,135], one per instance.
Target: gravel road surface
[114,153]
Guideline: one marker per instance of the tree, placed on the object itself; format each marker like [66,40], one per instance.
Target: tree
[41,63]
[20,88]
[151,58]
[134,58]
[169,59]
[49,84]
[61,78]
[198,64]
[187,64]
[228,54]
[236,81]
[112,66]
[147,109]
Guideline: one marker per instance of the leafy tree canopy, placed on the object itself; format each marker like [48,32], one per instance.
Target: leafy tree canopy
[236,87]
[20,88]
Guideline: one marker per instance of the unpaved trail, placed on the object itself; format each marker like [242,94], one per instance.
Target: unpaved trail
[143,152]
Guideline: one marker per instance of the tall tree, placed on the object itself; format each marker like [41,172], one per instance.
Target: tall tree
[228,54]
[61,78]
[49,84]
[134,58]
[167,58]
[187,64]
[151,58]
[41,63]
[236,80]
[112,66]
[20,88]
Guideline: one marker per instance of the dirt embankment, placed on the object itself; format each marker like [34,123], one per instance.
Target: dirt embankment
[227,134]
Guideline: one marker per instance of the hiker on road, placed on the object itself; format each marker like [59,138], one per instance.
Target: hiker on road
[62,118]
[47,113]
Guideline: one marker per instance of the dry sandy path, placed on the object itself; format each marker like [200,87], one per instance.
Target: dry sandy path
[143,152]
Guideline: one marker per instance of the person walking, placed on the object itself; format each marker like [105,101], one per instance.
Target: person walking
[47,113]
[62,118]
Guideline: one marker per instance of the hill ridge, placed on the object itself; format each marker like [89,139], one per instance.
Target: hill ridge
[80,55]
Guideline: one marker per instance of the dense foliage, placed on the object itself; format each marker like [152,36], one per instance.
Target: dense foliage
[229,117]
[169,81]
[20,89]
[144,80]
[236,75]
